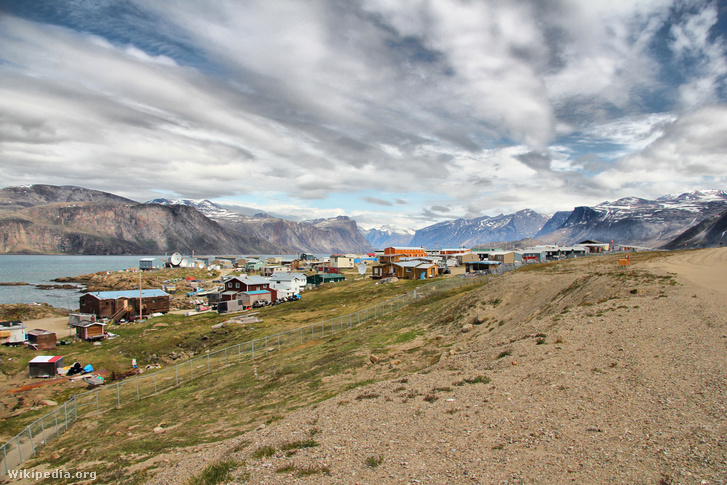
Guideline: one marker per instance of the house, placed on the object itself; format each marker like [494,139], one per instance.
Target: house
[12,332]
[271,270]
[393,254]
[118,304]
[453,252]
[254,265]
[341,261]
[505,257]
[383,270]
[594,246]
[485,266]
[45,365]
[42,339]
[416,269]
[246,283]
[147,264]
[295,282]
[89,331]
[532,255]
[321,278]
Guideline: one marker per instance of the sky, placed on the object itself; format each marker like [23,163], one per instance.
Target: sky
[403,113]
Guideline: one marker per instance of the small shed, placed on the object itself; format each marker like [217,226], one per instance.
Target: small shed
[89,330]
[45,365]
[42,339]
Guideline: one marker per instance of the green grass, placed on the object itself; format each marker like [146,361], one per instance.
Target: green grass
[214,473]
[374,461]
[225,404]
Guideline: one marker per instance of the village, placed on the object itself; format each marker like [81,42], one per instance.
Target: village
[250,283]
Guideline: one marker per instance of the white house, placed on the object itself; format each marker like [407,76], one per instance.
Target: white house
[294,282]
[342,261]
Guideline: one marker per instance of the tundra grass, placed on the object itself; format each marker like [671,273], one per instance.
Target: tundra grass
[226,403]
[171,339]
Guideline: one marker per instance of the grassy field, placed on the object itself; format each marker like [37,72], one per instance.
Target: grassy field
[174,338]
[239,397]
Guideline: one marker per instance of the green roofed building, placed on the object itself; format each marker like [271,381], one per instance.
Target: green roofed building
[321,278]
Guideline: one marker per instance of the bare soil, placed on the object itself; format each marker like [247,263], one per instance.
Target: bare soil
[571,373]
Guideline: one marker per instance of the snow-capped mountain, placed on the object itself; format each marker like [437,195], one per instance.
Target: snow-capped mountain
[471,232]
[206,207]
[636,221]
[387,236]
[325,236]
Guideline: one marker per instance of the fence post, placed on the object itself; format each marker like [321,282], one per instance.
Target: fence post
[138,397]
[118,395]
[278,342]
[20,453]
[5,459]
[225,355]
[176,375]
[42,428]
[208,367]
[155,383]
[239,353]
[191,369]
[65,413]
[32,445]
[75,409]
[97,410]
[252,346]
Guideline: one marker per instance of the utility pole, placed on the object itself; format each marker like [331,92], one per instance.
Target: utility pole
[141,311]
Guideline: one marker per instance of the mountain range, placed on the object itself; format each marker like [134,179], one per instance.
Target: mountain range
[74,220]
[322,236]
[629,221]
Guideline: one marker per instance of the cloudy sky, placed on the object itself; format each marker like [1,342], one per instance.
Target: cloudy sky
[401,112]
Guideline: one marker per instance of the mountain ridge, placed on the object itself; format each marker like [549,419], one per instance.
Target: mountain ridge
[335,235]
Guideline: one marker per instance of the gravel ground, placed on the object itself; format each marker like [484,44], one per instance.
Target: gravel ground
[587,378]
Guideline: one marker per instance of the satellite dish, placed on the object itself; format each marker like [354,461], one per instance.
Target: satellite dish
[200,265]
[184,263]
[176,259]
[362,268]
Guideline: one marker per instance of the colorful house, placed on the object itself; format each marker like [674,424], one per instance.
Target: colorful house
[393,254]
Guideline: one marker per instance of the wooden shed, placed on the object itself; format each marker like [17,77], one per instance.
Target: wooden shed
[45,365]
[89,330]
[42,339]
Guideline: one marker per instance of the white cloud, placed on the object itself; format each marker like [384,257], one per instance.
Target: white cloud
[465,104]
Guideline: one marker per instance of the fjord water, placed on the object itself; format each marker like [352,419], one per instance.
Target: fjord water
[42,270]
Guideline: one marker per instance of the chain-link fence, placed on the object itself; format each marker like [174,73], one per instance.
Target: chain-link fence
[49,427]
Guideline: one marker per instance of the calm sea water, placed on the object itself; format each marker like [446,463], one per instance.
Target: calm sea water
[43,269]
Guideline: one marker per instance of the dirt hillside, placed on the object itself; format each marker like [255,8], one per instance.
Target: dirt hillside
[578,372]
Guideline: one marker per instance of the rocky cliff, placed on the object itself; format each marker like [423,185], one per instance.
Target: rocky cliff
[322,236]
[119,228]
[23,196]
[711,232]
